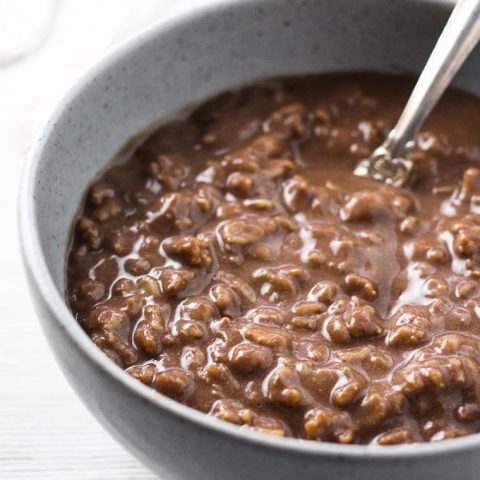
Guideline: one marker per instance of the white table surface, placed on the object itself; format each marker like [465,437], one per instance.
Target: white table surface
[45,431]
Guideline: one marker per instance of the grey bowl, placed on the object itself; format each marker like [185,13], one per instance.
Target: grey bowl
[217,46]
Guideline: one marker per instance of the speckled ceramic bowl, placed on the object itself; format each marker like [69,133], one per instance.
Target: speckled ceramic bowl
[214,47]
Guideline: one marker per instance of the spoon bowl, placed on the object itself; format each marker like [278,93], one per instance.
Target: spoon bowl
[389,163]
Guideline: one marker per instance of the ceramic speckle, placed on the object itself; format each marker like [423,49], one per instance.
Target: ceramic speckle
[223,44]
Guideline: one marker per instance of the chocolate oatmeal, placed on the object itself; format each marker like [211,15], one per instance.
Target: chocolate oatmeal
[233,263]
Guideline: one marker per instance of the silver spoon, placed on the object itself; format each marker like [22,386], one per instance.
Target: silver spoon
[389,163]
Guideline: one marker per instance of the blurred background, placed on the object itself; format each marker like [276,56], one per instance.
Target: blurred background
[45,45]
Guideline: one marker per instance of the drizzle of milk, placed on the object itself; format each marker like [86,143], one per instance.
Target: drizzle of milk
[335,246]
[459,266]
[300,217]
[306,236]
[92,274]
[152,216]
[288,196]
[308,243]
[122,273]
[266,286]
[413,294]
[447,208]
[206,176]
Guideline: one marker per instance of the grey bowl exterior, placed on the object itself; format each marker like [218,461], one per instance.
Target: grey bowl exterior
[221,45]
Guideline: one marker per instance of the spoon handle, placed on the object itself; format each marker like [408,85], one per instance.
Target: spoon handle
[459,37]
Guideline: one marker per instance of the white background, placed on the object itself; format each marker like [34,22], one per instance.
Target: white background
[45,431]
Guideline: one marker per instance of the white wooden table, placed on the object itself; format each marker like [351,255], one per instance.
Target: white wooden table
[45,431]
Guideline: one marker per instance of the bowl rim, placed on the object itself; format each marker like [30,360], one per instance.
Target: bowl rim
[36,268]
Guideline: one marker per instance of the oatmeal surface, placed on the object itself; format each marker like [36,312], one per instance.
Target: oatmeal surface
[234,263]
